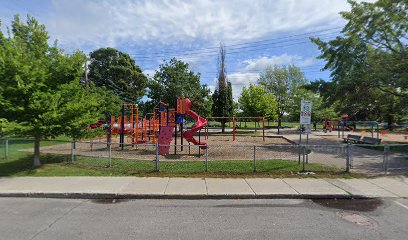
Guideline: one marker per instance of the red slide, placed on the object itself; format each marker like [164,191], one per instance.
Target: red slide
[201,122]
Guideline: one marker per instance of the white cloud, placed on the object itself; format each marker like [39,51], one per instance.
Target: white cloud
[259,64]
[149,72]
[96,23]
[251,68]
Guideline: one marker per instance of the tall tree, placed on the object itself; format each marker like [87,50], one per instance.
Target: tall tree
[173,79]
[369,61]
[40,87]
[286,85]
[223,103]
[118,72]
[255,102]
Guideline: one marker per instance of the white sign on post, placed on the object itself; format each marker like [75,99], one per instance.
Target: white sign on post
[305,112]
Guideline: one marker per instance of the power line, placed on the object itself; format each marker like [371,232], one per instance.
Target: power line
[254,48]
[309,68]
[159,54]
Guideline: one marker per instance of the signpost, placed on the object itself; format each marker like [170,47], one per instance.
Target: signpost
[305,118]
[305,112]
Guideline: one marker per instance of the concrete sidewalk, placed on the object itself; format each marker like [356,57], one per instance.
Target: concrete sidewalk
[202,188]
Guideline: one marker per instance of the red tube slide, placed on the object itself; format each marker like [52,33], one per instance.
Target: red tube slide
[200,124]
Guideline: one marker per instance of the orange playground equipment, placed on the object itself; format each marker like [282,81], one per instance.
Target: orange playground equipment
[156,127]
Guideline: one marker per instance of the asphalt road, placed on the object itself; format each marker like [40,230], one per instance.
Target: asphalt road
[25,218]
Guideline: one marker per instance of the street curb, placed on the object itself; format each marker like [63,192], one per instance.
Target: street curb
[178,196]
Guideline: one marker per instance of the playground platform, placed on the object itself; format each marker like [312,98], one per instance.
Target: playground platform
[202,188]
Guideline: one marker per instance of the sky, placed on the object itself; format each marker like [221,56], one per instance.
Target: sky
[256,33]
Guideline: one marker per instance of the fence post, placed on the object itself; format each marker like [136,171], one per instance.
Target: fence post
[304,152]
[348,158]
[299,150]
[110,154]
[386,157]
[72,151]
[351,156]
[307,154]
[6,148]
[206,159]
[157,157]
[254,158]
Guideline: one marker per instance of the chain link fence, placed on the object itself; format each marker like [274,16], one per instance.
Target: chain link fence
[368,159]
[388,158]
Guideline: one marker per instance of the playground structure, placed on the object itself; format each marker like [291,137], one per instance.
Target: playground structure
[156,127]
[165,125]
[373,128]
[343,125]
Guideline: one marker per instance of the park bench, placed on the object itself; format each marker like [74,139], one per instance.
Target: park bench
[370,140]
[352,138]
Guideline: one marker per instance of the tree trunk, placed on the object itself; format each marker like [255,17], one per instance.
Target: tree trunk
[279,123]
[222,126]
[36,162]
[391,122]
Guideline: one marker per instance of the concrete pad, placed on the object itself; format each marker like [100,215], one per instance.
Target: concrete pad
[362,187]
[146,186]
[269,186]
[186,186]
[228,186]
[396,186]
[310,187]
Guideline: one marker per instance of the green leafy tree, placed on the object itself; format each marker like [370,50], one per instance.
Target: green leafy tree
[118,72]
[320,110]
[256,102]
[40,87]
[223,103]
[369,61]
[286,84]
[7,128]
[174,79]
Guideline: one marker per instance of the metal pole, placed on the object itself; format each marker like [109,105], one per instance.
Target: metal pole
[110,154]
[386,157]
[351,155]
[157,157]
[299,150]
[307,142]
[206,159]
[254,158]
[6,150]
[348,158]
[73,151]
[304,151]
[378,132]
[300,141]
[199,143]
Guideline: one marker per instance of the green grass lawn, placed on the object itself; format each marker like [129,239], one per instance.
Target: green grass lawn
[19,163]
[85,166]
